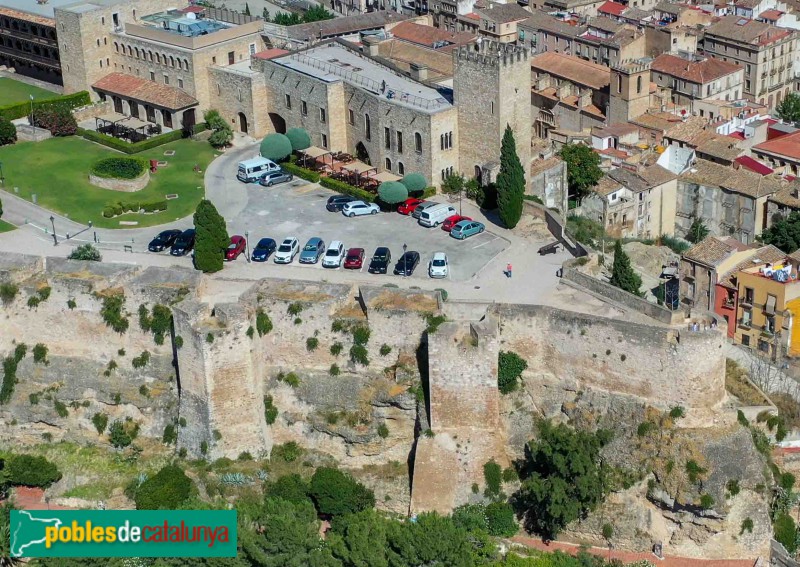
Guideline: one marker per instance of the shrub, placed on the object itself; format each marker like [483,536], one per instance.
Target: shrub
[298,138]
[336,349]
[292,379]
[414,182]
[295,308]
[361,335]
[263,323]
[492,475]
[500,520]
[119,167]
[166,490]
[270,411]
[216,435]
[8,132]
[119,436]
[786,532]
[312,343]
[203,447]
[33,398]
[71,304]
[443,293]
[178,341]
[288,452]
[100,421]
[144,390]
[141,360]
[29,470]
[210,338]
[300,172]
[392,192]
[22,109]
[334,370]
[677,412]
[336,493]
[40,354]
[358,354]
[250,332]
[733,487]
[747,526]
[786,481]
[297,320]
[61,408]
[510,368]
[434,321]
[33,302]
[20,351]
[385,349]
[8,291]
[346,189]
[510,475]
[276,147]
[57,119]
[9,379]
[111,312]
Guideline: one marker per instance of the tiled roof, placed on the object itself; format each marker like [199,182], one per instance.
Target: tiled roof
[613,8]
[766,254]
[617,129]
[787,196]
[546,22]
[701,72]
[270,53]
[787,146]
[139,89]
[647,178]
[740,181]
[771,15]
[41,20]
[428,35]
[710,251]
[606,186]
[718,146]
[605,24]
[540,165]
[747,31]
[572,68]
[686,130]
[505,13]
[342,26]
[657,121]
[669,8]
[755,166]
[402,54]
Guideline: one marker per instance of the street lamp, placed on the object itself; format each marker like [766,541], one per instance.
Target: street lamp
[247,245]
[2,179]
[32,124]
[405,259]
[53,222]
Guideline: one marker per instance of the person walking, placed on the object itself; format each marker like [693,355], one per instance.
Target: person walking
[508,270]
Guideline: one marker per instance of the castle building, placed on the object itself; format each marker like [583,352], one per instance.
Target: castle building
[28,41]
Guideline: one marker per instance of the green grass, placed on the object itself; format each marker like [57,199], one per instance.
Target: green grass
[12,92]
[6,227]
[57,170]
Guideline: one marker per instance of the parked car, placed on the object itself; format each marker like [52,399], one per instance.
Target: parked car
[163,240]
[421,207]
[450,222]
[334,256]
[263,249]
[407,263]
[236,247]
[275,177]
[336,202]
[438,266]
[465,229]
[184,243]
[381,259]
[407,207]
[251,170]
[314,248]
[287,251]
[358,208]
[354,259]
[434,216]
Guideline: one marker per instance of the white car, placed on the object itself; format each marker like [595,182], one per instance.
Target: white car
[358,208]
[287,251]
[334,255]
[438,267]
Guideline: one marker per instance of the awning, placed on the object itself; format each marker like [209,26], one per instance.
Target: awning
[113,117]
[357,167]
[314,152]
[384,176]
[770,306]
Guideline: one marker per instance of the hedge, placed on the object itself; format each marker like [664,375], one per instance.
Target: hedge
[22,109]
[116,209]
[148,144]
[347,189]
[119,168]
[300,172]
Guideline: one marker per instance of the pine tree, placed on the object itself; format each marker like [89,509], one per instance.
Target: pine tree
[697,231]
[510,181]
[211,237]
[622,274]
[246,9]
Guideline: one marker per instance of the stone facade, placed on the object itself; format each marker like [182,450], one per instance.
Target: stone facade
[124,185]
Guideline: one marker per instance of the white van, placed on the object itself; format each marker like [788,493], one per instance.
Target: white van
[436,215]
[252,170]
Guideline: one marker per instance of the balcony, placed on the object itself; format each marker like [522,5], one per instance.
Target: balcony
[30,57]
[745,323]
[728,304]
[747,301]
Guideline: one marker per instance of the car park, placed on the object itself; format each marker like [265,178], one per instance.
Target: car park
[436,215]
[336,202]
[407,263]
[236,247]
[334,255]
[407,207]
[184,243]
[263,249]
[421,207]
[450,222]
[163,240]
[438,267]
[251,170]
[354,259]
[381,258]
[359,208]
[275,177]
[314,248]
[287,251]
[465,229]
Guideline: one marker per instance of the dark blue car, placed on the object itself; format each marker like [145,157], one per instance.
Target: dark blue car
[263,249]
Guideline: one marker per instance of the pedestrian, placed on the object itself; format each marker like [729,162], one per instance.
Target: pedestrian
[508,270]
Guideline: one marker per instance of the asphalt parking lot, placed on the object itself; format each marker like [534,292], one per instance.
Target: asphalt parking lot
[298,209]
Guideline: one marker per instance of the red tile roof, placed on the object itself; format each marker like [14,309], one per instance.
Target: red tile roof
[737,135]
[749,163]
[700,72]
[771,15]
[428,35]
[572,68]
[786,146]
[270,53]
[472,16]
[150,92]
[613,8]
[41,20]
[193,10]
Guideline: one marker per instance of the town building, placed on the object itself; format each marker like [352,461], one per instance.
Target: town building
[497,22]
[765,52]
[28,40]
[782,154]
[697,78]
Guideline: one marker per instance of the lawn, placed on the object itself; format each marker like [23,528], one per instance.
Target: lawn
[57,170]
[12,92]
[6,227]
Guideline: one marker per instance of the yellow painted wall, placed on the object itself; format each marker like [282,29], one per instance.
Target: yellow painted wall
[794,307]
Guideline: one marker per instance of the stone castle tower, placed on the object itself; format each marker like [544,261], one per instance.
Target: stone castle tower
[491,88]
[630,91]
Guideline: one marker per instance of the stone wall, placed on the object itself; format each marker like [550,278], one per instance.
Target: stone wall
[124,185]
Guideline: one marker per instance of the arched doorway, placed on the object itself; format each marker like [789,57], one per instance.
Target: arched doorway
[362,153]
[278,123]
[479,175]
[243,122]
[188,120]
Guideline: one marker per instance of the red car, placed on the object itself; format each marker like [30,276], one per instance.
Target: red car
[450,222]
[408,206]
[235,248]
[354,259]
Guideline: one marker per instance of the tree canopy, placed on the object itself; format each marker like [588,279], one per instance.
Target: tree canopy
[276,147]
[299,138]
[335,493]
[697,231]
[510,181]
[583,168]
[211,237]
[623,275]
[392,192]
[166,490]
[784,233]
[8,132]
[789,108]
[414,182]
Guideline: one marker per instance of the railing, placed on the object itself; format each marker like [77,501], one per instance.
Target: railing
[29,37]
[728,303]
[746,302]
[745,323]
[54,63]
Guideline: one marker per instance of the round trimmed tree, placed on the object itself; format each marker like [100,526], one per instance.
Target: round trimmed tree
[299,138]
[211,237]
[276,147]
[414,182]
[8,132]
[392,192]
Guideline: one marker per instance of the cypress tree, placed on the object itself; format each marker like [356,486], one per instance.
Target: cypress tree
[211,237]
[510,181]
[622,274]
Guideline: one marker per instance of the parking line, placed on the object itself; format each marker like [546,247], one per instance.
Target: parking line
[485,243]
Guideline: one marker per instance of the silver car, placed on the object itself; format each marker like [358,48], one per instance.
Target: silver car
[314,248]
[286,251]
[422,206]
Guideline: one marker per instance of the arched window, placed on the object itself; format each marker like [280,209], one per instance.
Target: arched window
[116,47]
[619,83]
[158,58]
[450,140]
[130,51]
[171,61]
[418,142]
[367,127]
[150,56]
[137,53]
[639,84]
[185,64]
[388,164]
[401,169]
[441,142]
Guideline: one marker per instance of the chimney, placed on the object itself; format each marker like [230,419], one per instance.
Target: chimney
[372,45]
[419,71]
